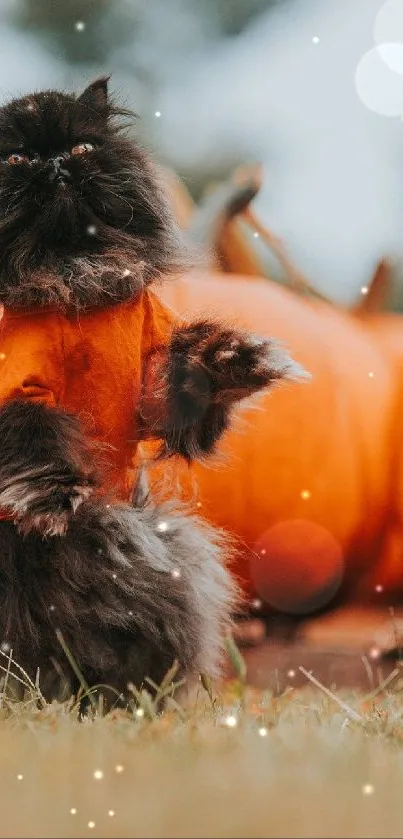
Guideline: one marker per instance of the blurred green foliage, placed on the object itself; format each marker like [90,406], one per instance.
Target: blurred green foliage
[111,25]
[141,39]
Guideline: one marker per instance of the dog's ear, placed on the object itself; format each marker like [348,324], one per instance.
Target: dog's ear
[95,96]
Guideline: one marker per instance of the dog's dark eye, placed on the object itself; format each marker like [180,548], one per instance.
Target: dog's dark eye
[16,159]
[82,148]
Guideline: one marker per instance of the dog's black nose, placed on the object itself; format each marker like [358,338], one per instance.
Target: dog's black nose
[59,170]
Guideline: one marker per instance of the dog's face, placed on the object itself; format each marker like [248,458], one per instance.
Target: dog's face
[72,185]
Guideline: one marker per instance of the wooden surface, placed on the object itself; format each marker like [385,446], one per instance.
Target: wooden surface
[349,648]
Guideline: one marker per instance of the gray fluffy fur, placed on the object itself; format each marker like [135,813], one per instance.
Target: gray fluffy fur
[128,595]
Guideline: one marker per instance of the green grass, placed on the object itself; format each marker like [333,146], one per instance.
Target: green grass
[233,762]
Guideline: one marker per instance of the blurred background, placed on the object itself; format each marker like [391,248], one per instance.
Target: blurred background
[311,88]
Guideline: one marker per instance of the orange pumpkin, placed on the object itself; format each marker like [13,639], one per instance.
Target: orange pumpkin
[306,484]
[321,452]
[387,575]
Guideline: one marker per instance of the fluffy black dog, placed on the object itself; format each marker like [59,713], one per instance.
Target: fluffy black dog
[84,230]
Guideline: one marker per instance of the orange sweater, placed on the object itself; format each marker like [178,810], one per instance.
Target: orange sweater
[93,366]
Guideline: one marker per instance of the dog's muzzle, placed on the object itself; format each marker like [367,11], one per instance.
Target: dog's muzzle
[59,171]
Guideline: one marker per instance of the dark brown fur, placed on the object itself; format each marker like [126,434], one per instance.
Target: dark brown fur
[47,255]
[47,466]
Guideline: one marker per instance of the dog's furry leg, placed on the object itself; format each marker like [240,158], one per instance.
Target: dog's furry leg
[46,466]
[195,382]
[131,590]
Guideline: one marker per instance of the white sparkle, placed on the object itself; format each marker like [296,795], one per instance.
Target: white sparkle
[263,732]
[119,768]
[52,608]
[140,712]
[263,551]
[231,721]
[98,774]
[162,526]
[2,356]
[256,603]
[374,652]
[379,589]
[73,811]
[91,230]
[30,107]
[5,647]
[107,506]
[114,576]
[364,289]
[256,235]
[291,674]
[91,825]
[157,114]
[20,777]
[79,26]
[176,573]
[130,614]
[99,551]
[199,504]
[126,272]
[111,813]
[305,494]
[315,39]
[368,789]
[371,375]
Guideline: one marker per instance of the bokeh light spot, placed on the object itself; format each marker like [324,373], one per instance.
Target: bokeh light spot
[379,87]
[302,568]
[388,26]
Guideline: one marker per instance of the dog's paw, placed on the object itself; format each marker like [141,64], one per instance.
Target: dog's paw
[225,365]
[244,364]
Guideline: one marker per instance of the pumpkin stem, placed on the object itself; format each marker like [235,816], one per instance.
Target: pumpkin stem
[375,295]
[296,278]
[214,224]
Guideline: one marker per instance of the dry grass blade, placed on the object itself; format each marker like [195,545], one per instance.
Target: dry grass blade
[172,705]
[368,671]
[17,678]
[168,679]
[208,687]
[397,633]
[350,711]
[167,686]
[145,701]
[76,670]
[237,660]
[4,690]
[93,690]
[29,684]
[381,687]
